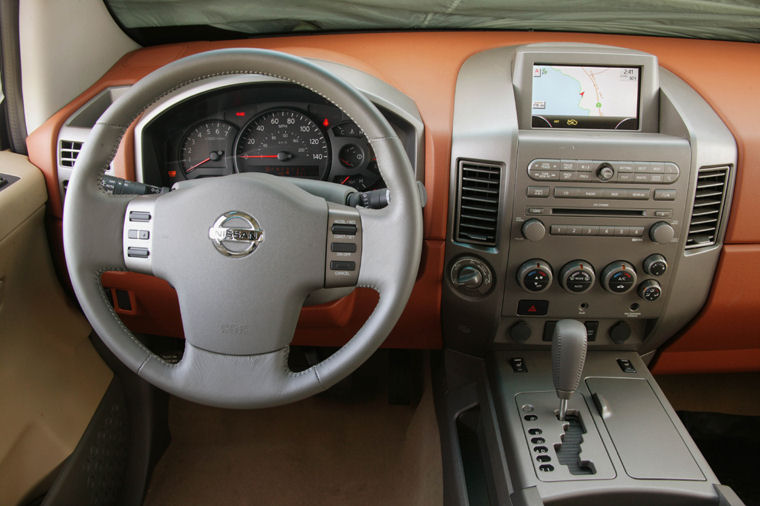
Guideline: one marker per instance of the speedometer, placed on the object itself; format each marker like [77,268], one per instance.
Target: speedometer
[283,142]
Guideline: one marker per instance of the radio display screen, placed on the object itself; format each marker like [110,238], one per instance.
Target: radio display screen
[566,96]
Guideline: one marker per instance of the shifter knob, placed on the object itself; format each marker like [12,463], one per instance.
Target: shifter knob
[568,357]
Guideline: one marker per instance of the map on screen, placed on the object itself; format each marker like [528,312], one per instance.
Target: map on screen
[585,97]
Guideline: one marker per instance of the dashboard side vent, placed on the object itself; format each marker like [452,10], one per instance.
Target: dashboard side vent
[708,207]
[69,152]
[477,210]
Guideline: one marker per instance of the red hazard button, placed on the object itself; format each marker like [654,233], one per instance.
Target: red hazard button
[528,307]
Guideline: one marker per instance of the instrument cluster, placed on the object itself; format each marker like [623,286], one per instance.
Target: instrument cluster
[277,129]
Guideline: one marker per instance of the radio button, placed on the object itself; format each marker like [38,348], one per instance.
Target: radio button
[558,230]
[664,194]
[670,178]
[625,177]
[624,167]
[638,194]
[606,230]
[641,177]
[642,167]
[536,210]
[671,168]
[663,213]
[566,165]
[590,230]
[567,176]
[586,165]
[538,191]
[582,176]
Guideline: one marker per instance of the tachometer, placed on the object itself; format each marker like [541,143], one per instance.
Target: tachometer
[283,142]
[206,149]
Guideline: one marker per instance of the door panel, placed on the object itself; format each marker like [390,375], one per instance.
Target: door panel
[51,378]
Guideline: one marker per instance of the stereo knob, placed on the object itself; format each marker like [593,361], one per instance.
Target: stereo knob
[577,276]
[533,230]
[619,277]
[535,275]
[655,265]
[662,232]
[650,290]
[605,172]
[471,276]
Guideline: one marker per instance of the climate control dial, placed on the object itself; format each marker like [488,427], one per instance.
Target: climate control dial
[650,290]
[619,277]
[535,275]
[577,276]
[655,265]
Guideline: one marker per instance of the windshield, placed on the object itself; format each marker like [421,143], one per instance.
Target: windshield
[159,21]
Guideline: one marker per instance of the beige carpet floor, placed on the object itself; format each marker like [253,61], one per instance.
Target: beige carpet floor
[320,451]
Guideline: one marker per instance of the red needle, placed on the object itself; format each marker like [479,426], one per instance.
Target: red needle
[187,171]
[344,181]
[258,156]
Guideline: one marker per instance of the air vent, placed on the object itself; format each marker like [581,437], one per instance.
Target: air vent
[69,152]
[708,207]
[477,203]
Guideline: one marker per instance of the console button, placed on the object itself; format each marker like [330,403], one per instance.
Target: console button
[641,177]
[625,177]
[536,210]
[586,165]
[538,191]
[669,178]
[549,330]
[568,165]
[650,290]
[664,194]
[518,364]
[626,366]
[592,326]
[528,307]
[671,168]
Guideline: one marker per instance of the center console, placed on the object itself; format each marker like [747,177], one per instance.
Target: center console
[587,184]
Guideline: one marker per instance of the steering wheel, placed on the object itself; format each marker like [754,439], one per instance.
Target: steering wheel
[242,251]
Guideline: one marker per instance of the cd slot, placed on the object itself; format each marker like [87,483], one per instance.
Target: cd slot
[564,211]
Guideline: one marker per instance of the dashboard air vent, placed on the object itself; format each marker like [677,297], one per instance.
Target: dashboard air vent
[708,207]
[69,152]
[477,209]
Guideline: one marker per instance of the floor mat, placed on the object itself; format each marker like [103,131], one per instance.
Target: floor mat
[324,450]
[730,443]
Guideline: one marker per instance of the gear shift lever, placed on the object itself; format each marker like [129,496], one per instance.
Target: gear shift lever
[568,357]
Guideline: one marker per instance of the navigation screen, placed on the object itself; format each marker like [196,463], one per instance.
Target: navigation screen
[585,97]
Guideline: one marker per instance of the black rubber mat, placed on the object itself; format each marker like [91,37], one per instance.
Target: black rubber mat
[731,445]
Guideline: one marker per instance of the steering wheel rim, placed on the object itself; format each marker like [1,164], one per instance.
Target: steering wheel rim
[240,367]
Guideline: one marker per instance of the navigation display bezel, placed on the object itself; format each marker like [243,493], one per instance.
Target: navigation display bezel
[569,54]
[629,123]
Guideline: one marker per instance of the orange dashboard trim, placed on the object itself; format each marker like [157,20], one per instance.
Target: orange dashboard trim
[424,65]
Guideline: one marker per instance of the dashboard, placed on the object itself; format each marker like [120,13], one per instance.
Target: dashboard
[276,128]
[428,105]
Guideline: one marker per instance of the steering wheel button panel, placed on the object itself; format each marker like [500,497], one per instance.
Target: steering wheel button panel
[343,257]
[137,237]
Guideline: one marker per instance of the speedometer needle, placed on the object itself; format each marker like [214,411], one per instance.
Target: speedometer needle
[187,171]
[258,156]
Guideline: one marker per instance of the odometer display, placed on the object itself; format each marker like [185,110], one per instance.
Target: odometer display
[283,142]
